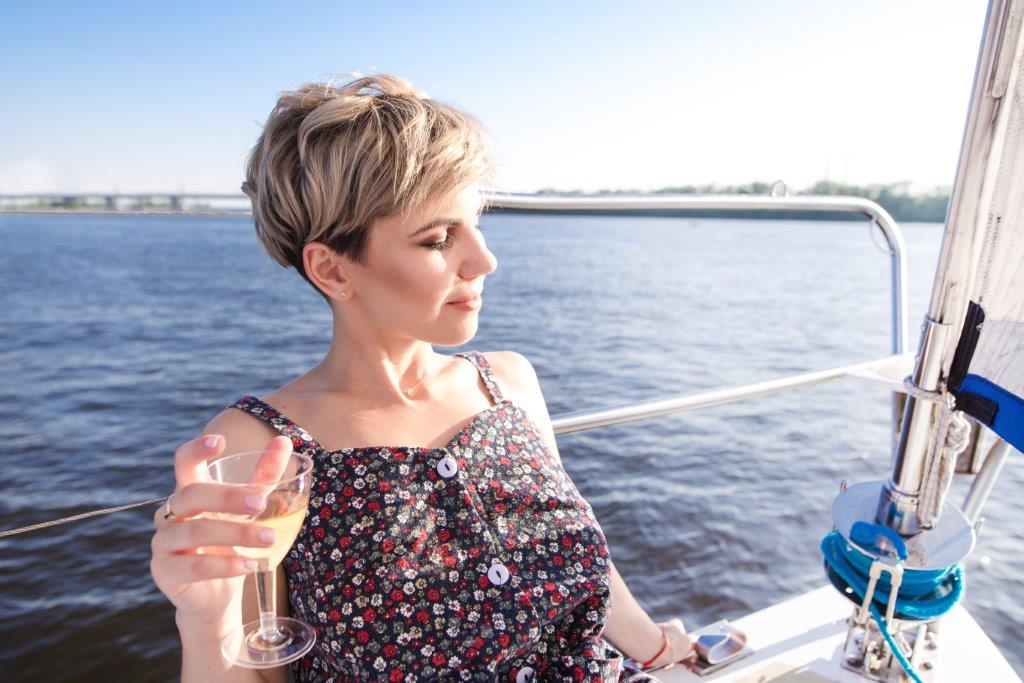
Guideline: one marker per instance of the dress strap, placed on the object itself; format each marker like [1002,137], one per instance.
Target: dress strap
[301,439]
[486,372]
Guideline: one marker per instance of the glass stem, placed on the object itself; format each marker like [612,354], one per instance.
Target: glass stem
[265,578]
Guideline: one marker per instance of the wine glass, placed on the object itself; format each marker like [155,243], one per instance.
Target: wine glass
[284,480]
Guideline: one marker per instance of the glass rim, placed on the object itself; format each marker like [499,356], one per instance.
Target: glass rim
[307,468]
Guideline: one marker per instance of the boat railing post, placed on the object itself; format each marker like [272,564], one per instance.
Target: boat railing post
[983,482]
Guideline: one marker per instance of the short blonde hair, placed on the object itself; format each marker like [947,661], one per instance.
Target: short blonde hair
[332,159]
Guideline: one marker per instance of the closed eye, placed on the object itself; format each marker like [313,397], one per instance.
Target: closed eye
[447,241]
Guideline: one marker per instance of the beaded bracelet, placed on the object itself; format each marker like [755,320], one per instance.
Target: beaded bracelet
[664,636]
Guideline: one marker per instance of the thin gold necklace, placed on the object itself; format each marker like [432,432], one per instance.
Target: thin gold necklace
[407,392]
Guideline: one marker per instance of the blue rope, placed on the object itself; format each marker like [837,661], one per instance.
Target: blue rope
[923,593]
[893,648]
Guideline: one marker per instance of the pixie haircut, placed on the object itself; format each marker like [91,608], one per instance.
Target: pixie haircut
[332,159]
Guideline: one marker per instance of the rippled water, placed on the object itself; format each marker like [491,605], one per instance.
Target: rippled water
[123,336]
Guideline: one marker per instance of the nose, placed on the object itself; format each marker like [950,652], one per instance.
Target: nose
[479,260]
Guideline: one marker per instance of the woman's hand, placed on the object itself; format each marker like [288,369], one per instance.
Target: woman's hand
[193,563]
[680,645]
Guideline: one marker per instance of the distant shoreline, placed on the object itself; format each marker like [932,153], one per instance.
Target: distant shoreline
[650,213]
[929,207]
[124,212]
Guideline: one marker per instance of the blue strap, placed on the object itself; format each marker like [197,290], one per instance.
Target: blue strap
[1008,421]
[866,535]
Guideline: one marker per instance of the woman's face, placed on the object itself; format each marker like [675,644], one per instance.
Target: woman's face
[416,264]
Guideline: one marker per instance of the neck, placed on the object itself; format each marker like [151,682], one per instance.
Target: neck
[379,372]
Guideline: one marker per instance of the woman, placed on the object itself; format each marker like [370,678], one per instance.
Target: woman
[374,198]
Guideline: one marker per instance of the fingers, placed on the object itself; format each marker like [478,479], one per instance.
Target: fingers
[190,459]
[688,648]
[678,622]
[199,497]
[680,641]
[178,538]
[196,492]
[272,464]
[691,652]
[182,569]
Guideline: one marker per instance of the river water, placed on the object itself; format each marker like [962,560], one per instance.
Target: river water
[123,336]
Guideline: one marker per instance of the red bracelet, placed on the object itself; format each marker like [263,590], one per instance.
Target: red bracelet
[653,659]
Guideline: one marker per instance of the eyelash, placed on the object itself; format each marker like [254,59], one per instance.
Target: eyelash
[441,246]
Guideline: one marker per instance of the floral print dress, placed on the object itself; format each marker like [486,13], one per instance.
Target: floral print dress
[479,561]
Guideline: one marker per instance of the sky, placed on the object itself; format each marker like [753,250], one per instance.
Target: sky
[162,97]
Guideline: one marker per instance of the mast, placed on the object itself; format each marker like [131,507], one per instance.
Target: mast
[997,75]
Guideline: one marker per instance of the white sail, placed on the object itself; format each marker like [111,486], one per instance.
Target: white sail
[985,368]
[976,316]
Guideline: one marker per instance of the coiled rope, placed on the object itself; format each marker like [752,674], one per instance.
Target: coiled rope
[922,593]
[949,437]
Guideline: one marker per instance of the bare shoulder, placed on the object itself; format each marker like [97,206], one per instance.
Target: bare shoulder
[517,378]
[514,373]
[241,431]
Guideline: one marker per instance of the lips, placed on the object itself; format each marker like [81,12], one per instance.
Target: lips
[468,297]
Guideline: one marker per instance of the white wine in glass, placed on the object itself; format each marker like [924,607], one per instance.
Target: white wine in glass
[284,480]
[287,527]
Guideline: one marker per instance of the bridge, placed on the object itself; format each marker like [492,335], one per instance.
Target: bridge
[158,203]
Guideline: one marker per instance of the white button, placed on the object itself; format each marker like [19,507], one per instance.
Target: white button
[447,467]
[525,675]
[498,574]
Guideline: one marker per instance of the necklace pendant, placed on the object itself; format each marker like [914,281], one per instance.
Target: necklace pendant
[409,391]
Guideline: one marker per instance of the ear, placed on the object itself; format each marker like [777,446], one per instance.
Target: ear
[325,268]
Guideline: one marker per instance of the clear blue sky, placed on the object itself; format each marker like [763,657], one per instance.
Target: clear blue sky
[139,96]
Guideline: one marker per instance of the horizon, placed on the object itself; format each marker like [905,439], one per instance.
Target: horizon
[580,98]
[698,188]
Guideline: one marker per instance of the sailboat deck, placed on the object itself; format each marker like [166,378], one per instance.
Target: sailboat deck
[800,640]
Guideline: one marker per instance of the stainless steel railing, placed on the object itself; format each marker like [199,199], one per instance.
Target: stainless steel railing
[806,203]
[591,419]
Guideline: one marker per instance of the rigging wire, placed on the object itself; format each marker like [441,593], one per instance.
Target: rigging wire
[75,518]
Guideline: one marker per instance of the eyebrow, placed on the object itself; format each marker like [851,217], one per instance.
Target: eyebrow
[434,223]
[442,221]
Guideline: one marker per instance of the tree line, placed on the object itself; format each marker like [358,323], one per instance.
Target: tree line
[895,198]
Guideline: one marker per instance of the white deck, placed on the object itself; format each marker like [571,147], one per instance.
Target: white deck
[800,640]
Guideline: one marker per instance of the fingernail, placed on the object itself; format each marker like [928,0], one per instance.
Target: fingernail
[267,535]
[250,564]
[254,501]
[211,441]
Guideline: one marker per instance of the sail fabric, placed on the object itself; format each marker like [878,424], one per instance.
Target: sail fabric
[986,373]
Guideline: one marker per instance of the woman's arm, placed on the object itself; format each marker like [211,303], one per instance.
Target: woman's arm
[629,627]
